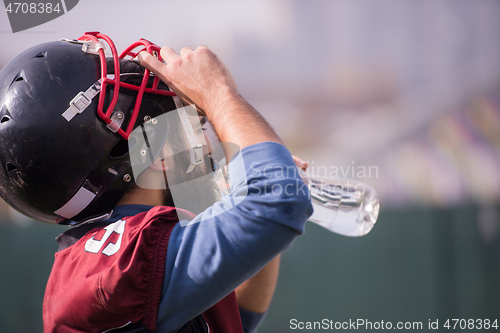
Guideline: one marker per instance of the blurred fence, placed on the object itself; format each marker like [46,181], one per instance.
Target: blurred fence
[416,265]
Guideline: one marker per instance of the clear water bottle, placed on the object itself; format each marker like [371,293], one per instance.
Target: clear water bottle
[345,206]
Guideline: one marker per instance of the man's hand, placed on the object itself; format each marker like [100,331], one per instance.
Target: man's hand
[197,76]
[300,162]
[200,77]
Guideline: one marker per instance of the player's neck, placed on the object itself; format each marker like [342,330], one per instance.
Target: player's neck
[141,196]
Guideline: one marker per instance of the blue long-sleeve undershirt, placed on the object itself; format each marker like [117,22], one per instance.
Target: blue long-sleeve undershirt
[226,244]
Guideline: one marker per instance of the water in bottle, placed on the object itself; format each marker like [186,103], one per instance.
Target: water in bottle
[345,206]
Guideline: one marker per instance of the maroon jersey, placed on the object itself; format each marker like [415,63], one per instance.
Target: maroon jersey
[113,276]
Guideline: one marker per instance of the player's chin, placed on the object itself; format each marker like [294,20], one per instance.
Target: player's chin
[159,165]
[203,169]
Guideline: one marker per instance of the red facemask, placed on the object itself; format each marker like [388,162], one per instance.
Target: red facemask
[97,47]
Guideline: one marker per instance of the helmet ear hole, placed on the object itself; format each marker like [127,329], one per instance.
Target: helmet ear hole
[18,78]
[42,54]
[119,150]
[10,167]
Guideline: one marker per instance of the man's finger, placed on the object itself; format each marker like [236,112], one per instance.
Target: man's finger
[154,65]
[186,49]
[300,162]
[168,54]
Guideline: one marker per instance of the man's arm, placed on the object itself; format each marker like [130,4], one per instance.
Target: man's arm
[228,244]
[201,78]
[256,293]
[202,257]
[201,75]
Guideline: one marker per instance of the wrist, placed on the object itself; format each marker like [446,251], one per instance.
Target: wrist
[225,100]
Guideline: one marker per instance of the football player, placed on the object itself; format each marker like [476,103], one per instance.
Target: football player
[159,241]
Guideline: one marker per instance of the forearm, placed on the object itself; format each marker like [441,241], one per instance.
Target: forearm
[236,121]
[256,293]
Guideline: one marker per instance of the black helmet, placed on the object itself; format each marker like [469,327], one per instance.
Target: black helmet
[65,122]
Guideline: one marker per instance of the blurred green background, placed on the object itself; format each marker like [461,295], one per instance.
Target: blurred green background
[415,265]
[409,88]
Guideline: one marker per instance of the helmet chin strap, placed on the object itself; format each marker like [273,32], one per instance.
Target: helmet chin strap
[79,201]
[196,150]
[83,99]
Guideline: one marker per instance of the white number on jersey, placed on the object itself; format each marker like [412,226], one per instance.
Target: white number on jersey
[94,246]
